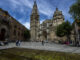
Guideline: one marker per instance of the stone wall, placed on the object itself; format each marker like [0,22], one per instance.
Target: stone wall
[13,28]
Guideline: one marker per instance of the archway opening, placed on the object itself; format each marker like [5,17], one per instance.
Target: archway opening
[2,34]
[45,35]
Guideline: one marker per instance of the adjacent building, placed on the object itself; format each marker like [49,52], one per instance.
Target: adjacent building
[10,28]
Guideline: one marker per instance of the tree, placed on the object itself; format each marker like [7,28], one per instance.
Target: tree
[64,29]
[27,34]
[60,31]
[75,10]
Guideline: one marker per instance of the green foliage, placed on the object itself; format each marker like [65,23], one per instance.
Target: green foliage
[64,29]
[75,10]
[27,34]
[60,31]
[29,54]
[78,23]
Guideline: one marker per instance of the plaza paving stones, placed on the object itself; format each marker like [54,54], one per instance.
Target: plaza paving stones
[47,46]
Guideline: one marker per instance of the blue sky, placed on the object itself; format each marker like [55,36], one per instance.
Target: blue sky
[21,9]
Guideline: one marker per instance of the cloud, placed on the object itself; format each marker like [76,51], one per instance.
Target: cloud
[44,8]
[21,3]
[41,21]
[27,25]
[27,3]
[21,9]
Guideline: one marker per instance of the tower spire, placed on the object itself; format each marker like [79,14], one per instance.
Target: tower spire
[35,9]
[34,22]
[35,2]
[56,8]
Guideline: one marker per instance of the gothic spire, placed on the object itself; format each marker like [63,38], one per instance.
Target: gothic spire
[56,9]
[35,2]
[35,9]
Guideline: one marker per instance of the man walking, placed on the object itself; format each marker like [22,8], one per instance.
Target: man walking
[42,42]
[18,43]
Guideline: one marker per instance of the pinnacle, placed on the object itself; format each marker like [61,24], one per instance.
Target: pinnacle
[35,9]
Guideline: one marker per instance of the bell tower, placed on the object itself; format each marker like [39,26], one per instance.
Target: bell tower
[34,22]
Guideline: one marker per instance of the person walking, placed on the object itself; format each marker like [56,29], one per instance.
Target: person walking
[18,43]
[42,42]
[77,43]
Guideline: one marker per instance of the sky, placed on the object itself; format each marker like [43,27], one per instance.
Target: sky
[21,9]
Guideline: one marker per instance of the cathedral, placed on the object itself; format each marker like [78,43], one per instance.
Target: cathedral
[46,30]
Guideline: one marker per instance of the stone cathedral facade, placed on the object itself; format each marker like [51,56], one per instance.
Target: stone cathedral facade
[46,30]
[48,27]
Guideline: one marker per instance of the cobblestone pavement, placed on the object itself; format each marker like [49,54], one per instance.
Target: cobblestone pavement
[47,46]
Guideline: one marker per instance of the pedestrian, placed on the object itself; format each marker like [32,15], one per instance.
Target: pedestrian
[6,42]
[42,42]
[18,43]
[77,43]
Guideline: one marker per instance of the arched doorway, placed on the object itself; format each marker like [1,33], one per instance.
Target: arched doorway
[45,35]
[2,34]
